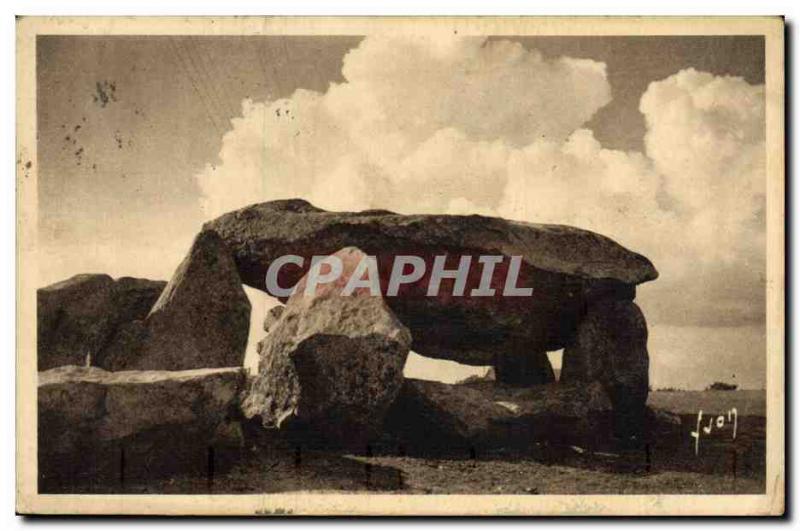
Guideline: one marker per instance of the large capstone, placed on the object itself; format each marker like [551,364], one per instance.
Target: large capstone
[132,423]
[567,268]
[76,318]
[332,363]
[201,319]
[610,347]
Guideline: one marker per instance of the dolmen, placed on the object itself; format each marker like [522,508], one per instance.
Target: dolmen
[550,287]
[134,365]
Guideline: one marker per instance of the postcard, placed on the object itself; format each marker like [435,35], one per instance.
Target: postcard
[400,266]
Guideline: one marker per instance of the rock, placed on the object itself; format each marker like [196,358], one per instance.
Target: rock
[78,316]
[148,422]
[201,319]
[662,420]
[433,416]
[523,368]
[490,376]
[611,348]
[272,317]
[332,363]
[567,268]
[664,428]
[560,413]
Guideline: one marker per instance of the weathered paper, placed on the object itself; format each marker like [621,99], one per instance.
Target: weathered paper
[555,120]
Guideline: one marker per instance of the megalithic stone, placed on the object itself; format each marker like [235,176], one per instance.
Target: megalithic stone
[272,317]
[610,347]
[163,421]
[331,363]
[522,367]
[567,268]
[201,319]
[77,317]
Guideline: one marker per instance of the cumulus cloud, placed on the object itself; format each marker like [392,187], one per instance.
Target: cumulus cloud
[468,125]
[407,112]
[706,137]
[419,86]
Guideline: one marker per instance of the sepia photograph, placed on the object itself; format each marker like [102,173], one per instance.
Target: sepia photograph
[400,266]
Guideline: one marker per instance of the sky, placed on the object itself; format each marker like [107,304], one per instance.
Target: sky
[657,142]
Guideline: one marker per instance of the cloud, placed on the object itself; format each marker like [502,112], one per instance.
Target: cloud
[407,107]
[420,86]
[468,125]
[706,137]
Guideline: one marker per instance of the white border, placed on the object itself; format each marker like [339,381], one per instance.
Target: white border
[368,504]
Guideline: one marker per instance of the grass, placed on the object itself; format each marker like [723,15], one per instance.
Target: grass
[747,403]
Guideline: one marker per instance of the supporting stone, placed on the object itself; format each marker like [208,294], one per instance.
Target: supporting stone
[523,367]
[201,319]
[610,347]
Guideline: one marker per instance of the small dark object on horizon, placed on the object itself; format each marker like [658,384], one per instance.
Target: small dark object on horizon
[722,386]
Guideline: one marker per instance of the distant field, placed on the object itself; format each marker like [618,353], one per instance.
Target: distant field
[711,402]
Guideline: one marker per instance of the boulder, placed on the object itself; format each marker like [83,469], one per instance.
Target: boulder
[433,416]
[332,363]
[92,422]
[272,317]
[77,317]
[201,319]
[560,413]
[566,267]
[610,347]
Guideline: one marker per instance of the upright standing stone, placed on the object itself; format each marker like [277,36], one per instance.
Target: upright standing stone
[610,347]
[201,319]
[523,367]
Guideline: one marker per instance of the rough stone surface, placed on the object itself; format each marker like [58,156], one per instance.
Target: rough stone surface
[562,413]
[611,348]
[332,363]
[77,317]
[272,317]
[433,415]
[523,367]
[146,422]
[566,267]
[201,319]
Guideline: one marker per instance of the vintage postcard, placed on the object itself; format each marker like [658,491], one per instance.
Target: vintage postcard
[400,266]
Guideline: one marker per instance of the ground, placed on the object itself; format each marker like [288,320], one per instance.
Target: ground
[669,465]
